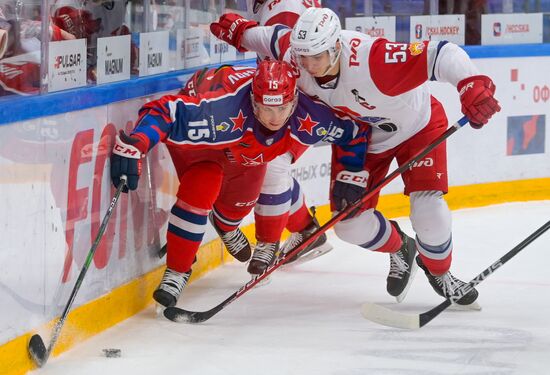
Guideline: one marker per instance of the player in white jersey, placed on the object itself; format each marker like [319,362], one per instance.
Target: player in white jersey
[385,84]
[282,12]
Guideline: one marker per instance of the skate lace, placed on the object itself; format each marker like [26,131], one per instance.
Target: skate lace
[294,240]
[235,241]
[173,282]
[449,284]
[264,252]
[398,266]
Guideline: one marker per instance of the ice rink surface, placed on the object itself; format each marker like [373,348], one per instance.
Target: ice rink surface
[307,319]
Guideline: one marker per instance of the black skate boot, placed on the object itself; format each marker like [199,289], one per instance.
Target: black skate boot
[317,248]
[170,287]
[264,255]
[446,285]
[402,267]
[235,241]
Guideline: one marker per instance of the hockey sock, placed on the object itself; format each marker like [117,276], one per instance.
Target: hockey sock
[185,232]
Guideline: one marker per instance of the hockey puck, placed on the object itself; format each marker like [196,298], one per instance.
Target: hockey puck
[112,353]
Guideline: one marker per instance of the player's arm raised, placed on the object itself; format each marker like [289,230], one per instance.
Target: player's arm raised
[246,35]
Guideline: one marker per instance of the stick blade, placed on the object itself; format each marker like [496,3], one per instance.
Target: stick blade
[37,350]
[390,318]
[178,315]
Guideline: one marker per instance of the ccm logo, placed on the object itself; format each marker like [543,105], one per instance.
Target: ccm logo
[354,43]
[245,204]
[358,180]
[123,151]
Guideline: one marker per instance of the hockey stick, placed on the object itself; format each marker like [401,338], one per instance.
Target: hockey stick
[385,316]
[177,314]
[37,350]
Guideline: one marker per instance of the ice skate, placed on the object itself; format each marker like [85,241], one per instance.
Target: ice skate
[170,287]
[402,267]
[264,255]
[317,248]
[235,241]
[446,285]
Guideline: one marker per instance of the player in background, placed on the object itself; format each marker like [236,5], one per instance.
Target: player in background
[281,12]
[219,142]
[91,20]
[20,41]
[384,83]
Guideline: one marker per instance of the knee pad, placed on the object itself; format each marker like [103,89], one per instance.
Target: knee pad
[430,217]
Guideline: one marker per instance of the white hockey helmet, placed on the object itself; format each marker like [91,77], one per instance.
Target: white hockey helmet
[317,30]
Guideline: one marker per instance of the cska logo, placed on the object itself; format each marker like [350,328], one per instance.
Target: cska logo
[253,161]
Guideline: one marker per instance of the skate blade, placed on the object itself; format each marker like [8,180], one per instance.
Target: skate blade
[474,306]
[264,282]
[401,297]
[315,253]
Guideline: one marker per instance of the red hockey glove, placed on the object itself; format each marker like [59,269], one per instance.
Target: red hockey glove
[477,98]
[230,28]
[348,188]
[126,160]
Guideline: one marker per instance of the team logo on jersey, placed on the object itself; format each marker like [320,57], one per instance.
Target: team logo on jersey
[252,162]
[238,121]
[359,99]
[307,124]
[224,126]
[416,48]
[354,43]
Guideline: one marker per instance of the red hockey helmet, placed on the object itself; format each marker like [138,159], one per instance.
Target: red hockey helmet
[274,83]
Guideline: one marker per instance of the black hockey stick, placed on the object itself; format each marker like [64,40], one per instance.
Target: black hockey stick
[385,316]
[37,350]
[177,314]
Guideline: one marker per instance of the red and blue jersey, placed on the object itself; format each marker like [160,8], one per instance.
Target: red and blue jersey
[221,116]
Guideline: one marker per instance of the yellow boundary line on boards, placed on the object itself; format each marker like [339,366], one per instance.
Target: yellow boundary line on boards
[132,297]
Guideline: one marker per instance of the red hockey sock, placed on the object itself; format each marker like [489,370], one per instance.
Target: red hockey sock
[299,220]
[393,243]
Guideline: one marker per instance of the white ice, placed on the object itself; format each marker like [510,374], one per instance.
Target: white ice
[307,320]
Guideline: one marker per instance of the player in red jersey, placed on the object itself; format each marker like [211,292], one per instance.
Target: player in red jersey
[385,84]
[281,202]
[220,141]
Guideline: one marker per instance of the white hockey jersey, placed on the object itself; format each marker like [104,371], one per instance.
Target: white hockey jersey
[380,82]
[283,12]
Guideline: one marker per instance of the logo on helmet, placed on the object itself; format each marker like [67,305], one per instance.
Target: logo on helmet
[325,18]
[272,99]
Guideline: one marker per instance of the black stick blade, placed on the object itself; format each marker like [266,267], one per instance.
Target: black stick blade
[37,350]
[178,315]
